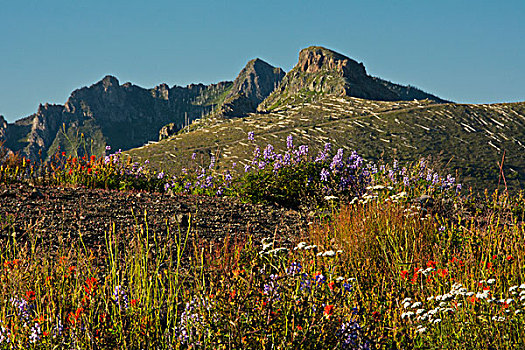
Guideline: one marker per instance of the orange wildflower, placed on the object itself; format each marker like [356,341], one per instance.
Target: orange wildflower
[328,310]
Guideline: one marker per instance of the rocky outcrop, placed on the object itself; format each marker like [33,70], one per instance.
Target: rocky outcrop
[325,71]
[45,125]
[3,127]
[168,130]
[237,106]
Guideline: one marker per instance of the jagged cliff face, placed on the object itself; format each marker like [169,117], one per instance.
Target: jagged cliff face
[107,113]
[325,71]
[254,83]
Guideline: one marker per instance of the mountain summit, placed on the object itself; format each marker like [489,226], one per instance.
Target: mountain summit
[326,71]
[253,84]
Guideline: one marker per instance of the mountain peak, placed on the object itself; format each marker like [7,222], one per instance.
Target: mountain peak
[108,81]
[324,71]
[253,84]
[316,58]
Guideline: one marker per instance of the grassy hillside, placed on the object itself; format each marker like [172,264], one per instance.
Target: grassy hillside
[466,139]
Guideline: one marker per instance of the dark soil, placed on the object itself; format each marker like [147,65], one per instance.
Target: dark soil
[55,216]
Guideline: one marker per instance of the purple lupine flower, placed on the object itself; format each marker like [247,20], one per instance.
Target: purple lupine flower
[250,136]
[406,181]
[320,278]
[321,157]
[324,175]
[146,161]
[24,309]
[287,159]
[228,177]
[303,150]
[160,175]
[194,156]
[435,179]
[268,153]
[256,153]
[212,162]
[306,283]
[166,186]
[289,142]
[337,161]
[247,168]
[295,268]
[120,297]
[347,287]
[262,165]
[219,192]
[450,180]
[327,147]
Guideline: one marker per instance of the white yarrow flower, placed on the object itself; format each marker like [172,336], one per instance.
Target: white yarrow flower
[406,314]
[421,330]
[300,246]
[416,304]
[491,281]
[329,253]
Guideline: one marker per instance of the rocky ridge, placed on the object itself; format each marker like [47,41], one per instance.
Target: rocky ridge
[325,71]
[128,116]
[108,113]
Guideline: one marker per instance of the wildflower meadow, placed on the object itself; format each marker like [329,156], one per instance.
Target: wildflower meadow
[397,256]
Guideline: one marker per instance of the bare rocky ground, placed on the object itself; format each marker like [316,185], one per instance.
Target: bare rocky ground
[55,217]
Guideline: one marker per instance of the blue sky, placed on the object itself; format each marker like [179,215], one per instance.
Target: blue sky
[465,51]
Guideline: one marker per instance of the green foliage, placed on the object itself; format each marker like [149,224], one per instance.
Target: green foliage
[290,186]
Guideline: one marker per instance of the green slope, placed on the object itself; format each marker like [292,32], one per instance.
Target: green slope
[466,139]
